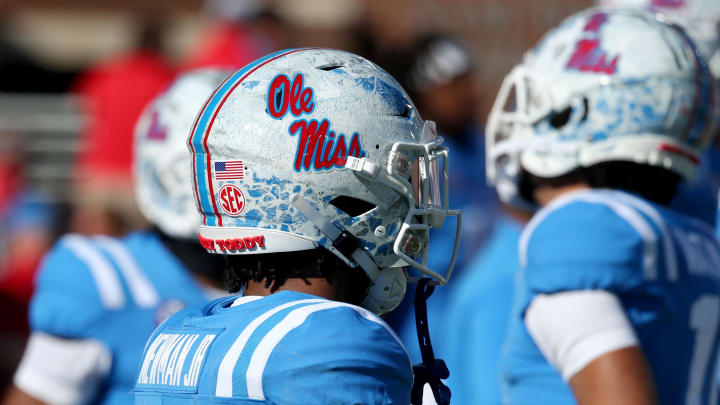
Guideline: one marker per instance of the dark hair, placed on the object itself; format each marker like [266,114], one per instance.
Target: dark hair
[429,54]
[277,268]
[653,183]
[194,257]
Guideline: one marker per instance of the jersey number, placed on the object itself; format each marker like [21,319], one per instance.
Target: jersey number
[704,318]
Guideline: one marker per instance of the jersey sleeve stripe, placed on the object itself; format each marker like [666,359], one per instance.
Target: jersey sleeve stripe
[106,279]
[294,319]
[142,290]
[668,246]
[641,226]
[224,385]
[624,211]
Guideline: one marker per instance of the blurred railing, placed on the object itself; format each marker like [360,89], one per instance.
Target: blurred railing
[44,128]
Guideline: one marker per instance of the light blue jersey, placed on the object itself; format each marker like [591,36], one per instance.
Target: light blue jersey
[480,308]
[286,348]
[115,291]
[663,266]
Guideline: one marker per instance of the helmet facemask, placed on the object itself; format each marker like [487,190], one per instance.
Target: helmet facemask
[419,172]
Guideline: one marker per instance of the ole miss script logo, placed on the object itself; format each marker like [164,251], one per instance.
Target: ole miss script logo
[232,200]
[319,147]
[589,55]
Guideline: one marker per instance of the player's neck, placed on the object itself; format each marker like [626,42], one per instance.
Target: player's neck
[544,194]
[315,286]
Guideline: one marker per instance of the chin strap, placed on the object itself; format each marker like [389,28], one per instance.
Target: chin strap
[344,242]
[431,371]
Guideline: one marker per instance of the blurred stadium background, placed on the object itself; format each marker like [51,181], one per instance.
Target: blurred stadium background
[74,74]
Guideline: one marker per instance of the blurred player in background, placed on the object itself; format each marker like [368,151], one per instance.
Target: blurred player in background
[619,296]
[480,307]
[319,181]
[115,91]
[97,299]
[28,226]
[439,74]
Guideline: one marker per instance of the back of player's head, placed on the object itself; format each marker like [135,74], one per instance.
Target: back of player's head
[275,269]
[587,95]
[311,148]
[163,177]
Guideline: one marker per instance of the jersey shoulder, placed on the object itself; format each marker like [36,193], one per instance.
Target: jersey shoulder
[593,239]
[74,286]
[335,353]
[289,348]
[81,279]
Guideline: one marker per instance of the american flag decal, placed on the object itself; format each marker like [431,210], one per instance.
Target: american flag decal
[229,170]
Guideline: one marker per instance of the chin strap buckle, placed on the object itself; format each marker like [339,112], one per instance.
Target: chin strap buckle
[431,371]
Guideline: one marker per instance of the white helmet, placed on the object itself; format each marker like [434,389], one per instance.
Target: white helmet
[586,94]
[700,18]
[316,147]
[163,177]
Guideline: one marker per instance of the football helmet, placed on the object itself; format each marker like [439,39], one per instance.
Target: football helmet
[318,147]
[162,170]
[700,18]
[587,95]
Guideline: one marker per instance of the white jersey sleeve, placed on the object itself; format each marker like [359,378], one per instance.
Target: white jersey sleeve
[573,328]
[62,371]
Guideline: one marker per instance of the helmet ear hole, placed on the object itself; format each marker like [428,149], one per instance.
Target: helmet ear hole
[560,119]
[351,205]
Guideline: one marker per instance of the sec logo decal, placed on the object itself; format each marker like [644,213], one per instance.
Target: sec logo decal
[232,200]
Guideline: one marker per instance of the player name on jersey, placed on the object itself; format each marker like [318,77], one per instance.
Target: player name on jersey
[701,253]
[174,359]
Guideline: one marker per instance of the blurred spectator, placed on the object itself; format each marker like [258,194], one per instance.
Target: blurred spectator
[322,23]
[239,33]
[440,79]
[441,82]
[116,90]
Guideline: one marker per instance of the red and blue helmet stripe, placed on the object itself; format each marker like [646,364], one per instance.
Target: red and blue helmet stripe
[202,173]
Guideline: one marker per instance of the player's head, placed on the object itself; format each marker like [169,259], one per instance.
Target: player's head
[318,151]
[587,101]
[441,80]
[162,169]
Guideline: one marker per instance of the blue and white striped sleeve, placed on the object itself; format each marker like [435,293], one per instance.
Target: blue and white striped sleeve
[75,285]
[330,353]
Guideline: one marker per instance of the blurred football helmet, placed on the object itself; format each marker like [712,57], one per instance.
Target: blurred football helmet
[162,170]
[317,147]
[700,18]
[586,94]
